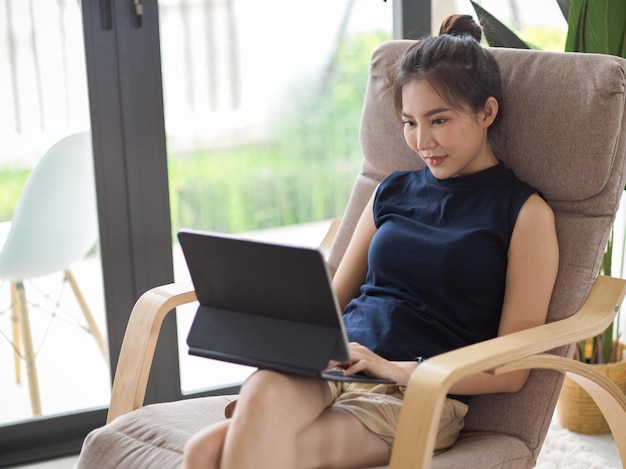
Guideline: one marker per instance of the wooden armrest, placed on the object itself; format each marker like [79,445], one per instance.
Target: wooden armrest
[431,381]
[327,243]
[140,338]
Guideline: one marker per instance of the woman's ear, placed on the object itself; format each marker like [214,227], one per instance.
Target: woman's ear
[490,111]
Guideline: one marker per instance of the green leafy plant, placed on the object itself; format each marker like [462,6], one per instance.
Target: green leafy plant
[593,26]
[597,26]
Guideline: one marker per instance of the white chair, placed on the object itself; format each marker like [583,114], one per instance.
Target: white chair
[54,225]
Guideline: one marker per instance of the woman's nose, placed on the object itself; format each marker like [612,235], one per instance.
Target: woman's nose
[424,139]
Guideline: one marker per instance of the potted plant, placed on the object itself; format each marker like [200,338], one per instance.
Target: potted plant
[594,26]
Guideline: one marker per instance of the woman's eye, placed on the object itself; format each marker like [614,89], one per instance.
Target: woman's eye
[408,123]
[439,121]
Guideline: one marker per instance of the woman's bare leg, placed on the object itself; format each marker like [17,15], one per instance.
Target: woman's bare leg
[273,409]
[204,449]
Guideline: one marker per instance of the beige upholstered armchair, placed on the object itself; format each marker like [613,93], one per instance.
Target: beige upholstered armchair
[563,131]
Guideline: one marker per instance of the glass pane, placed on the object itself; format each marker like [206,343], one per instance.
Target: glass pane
[262,110]
[53,356]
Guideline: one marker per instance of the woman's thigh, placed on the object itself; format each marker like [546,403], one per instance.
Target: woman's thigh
[292,399]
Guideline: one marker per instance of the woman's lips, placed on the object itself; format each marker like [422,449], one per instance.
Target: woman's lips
[435,160]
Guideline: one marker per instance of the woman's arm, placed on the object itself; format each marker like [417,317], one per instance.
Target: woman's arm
[350,274]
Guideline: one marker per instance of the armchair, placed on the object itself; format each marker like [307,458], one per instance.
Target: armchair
[563,131]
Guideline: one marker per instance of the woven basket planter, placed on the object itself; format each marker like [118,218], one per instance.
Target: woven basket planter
[577,412]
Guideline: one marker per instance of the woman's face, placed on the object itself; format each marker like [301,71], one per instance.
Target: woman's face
[451,142]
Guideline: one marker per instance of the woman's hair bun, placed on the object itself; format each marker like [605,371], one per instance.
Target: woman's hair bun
[459,25]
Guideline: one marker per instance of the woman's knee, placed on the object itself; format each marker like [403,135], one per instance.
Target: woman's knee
[204,449]
[266,388]
[279,394]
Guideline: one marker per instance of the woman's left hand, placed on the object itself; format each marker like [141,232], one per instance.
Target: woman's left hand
[363,360]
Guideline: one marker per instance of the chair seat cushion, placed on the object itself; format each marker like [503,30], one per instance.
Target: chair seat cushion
[152,436]
[155,435]
[475,450]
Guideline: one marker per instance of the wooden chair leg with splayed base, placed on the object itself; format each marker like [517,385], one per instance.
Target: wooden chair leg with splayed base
[29,352]
[23,340]
[91,323]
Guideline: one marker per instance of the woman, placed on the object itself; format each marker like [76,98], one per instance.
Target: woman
[458,252]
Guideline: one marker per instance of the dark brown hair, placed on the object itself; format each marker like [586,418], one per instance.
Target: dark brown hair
[454,64]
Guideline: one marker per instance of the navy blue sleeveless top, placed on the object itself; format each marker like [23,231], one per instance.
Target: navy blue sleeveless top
[437,262]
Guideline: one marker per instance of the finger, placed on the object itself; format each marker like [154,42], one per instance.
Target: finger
[334,365]
[357,367]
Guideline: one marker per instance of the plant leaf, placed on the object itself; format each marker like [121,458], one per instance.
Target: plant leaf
[597,26]
[496,33]
[615,24]
[575,29]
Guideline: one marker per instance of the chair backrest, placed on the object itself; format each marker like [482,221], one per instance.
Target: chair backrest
[563,130]
[55,222]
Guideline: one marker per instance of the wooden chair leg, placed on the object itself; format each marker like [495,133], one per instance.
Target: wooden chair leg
[91,323]
[17,342]
[607,395]
[29,352]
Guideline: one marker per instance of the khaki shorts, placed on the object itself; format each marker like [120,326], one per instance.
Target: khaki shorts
[378,407]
